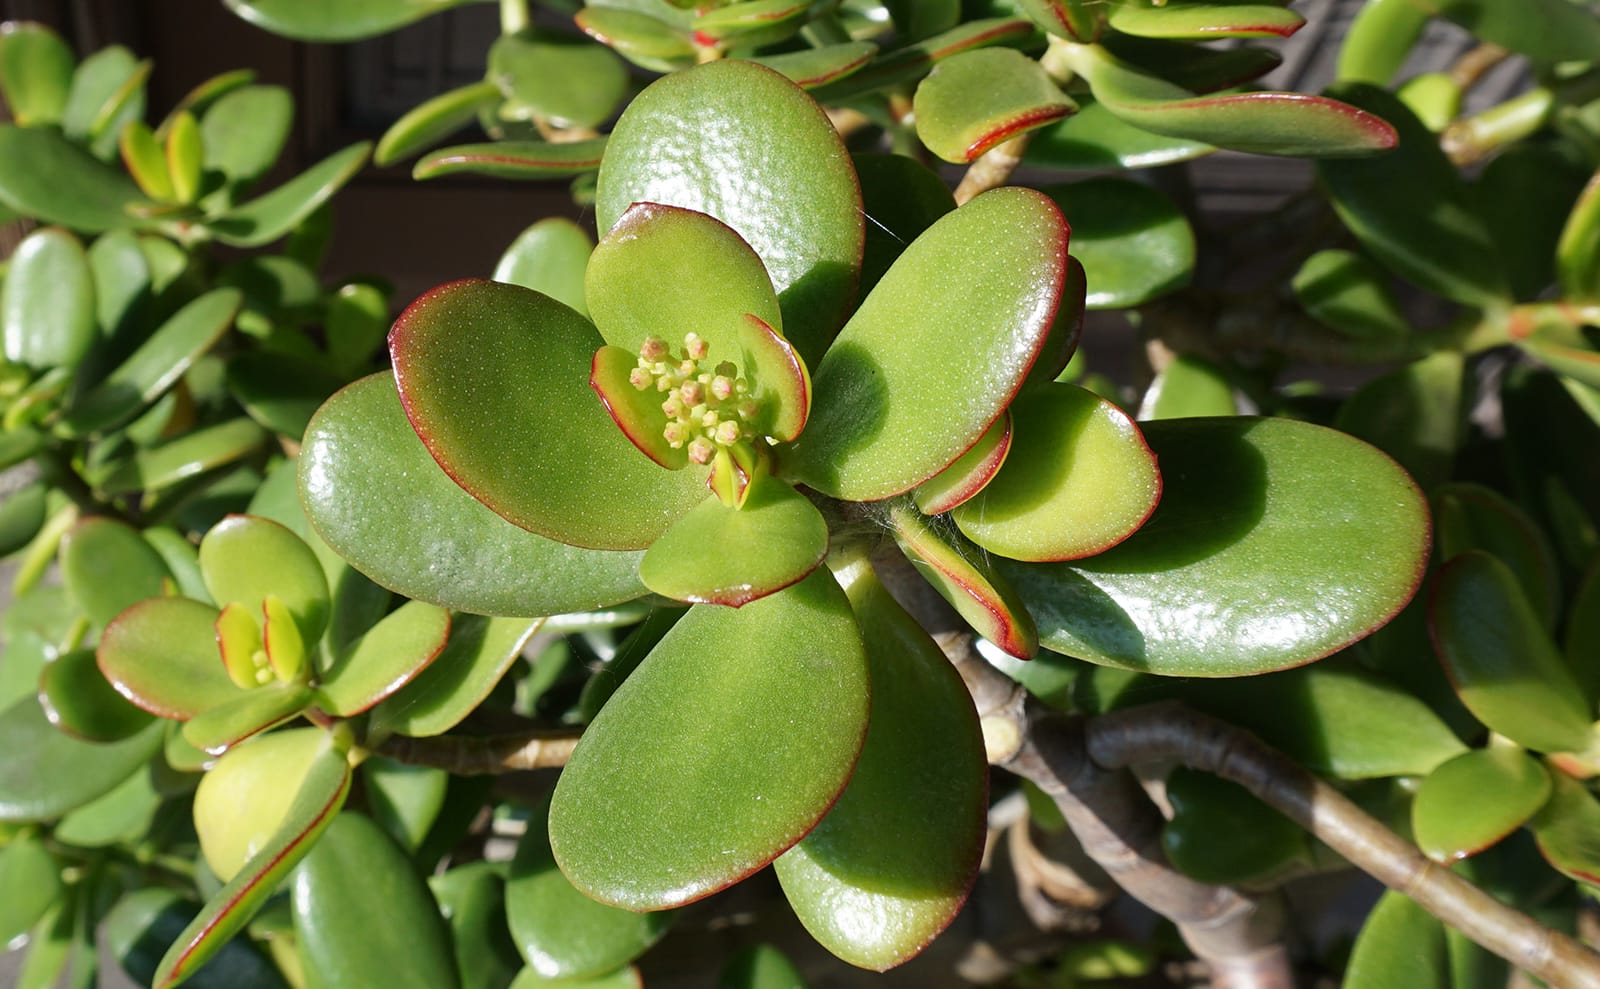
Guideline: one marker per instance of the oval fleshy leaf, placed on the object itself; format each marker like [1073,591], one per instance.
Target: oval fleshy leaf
[562,933]
[568,82]
[60,772]
[107,567]
[636,411]
[1133,242]
[146,161]
[891,864]
[324,782]
[978,99]
[162,655]
[478,654]
[1257,122]
[892,409]
[218,729]
[1095,138]
[1275,543]
[146,920]
[1471,516]
[433,120]
[507,411]
[243,133]
[798,679]
[963,479]
[336,20]
[243,800]
[244,558]
[179,459]
[646,41]
[30,881]
[45,176]
[1079,479]
[266,218]
[665,272]
[1578,251]
[386,658]
[158,363]
[357,873]
[1410,209]
[1062,343]
[47,311]
[1075,20]
[1450,817]
[1203,21]
[961,573]
[1568,830]
[908,63]
[1504,666]
[1544,30]
[732,556]
[1221,833]
[813,67]
[903,197]
[1400,945]
[362,466]
[1414,413]
[35,75]
[782,382]
[472,897]
[622,978]
[549,257]
[513,159]
[1188,387]
[682,138]
[1379,40]
[1350,295]
[78,700]
[751,23]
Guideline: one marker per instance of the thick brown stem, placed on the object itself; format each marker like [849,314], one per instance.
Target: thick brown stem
[1174,733]
[469,756]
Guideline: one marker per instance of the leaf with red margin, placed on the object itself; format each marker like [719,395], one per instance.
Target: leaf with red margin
[162,655]
[978,99]
[1568,830]
[911,62]
[958,571]
[636,411]
[513,159]
[1204,21]
[495,379]
[1079,479]
[815,67]
[386,658]
[249,713]
[782,383]
[967,476]
[1065,332]
[893,861]
[1450,817]
[321,794]
[727,744]
[1075,20]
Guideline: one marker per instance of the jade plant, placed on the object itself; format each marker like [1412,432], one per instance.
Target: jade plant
[793,512]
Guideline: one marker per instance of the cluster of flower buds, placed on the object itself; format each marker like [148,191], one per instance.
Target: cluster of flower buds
[705,409]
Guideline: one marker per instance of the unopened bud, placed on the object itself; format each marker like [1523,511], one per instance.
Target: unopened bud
[695,347]
[729,433]
[640,378]
[676,434]
[701,451]
[727,369]
[654,349]
[693,393]
[673,407]
[722,387]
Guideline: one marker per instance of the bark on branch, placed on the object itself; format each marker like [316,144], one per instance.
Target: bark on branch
[483,756]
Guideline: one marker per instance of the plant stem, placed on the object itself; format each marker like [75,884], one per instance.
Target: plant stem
[1474,138]
[468,756]
[514,16]
[992,168]
[1170,732]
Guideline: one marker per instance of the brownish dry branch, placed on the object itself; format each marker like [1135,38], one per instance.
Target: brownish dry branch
[482,756]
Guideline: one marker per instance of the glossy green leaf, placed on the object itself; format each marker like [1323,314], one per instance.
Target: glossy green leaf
[1075,20]
[281,391]
[1544,30]
[60,772]
[43,175]
[891,409]
[1204,21]
[107,567]
[813,67]
[157,365]
[336,20]
[963,575]
[1275,543]
[47,311]
[549,257]
[404,800]
[732,556]
[760,966]
[184,158]
[976,100]
[1220,833]
[1095,138]
[1078,480]
[798,679]
[901,198]
[622,978]
[472,897]
[144,922]
[1350,295]
[1414,414]
[30,881]
[1450,817]
[1503,663]
[751,23]
[78,700]
[243,132]
[122,816]
[433,120]
[562,933]
[266,218]
[162,655]
[324,782]
[918,19]
[685,131]
[1379,39]
[1258,122]
[251,712]
[891,864]
[146,161]
[356,873]
[548,77]
[478,654]
[1188,387]
[454,551]
[663,271]
[1410,209]
[908,63]
[1133,242]
[1400,945]
[1568,830]
[107,90]
[962,480]
[35,74]
[22,516]
[244,559]
[1524,196]
[646,41]
[513,159]
[51,943]
[385,659]
[1471,516]
[1578,251]
[242,802]
[525,445]
[184,457]
[204,94]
